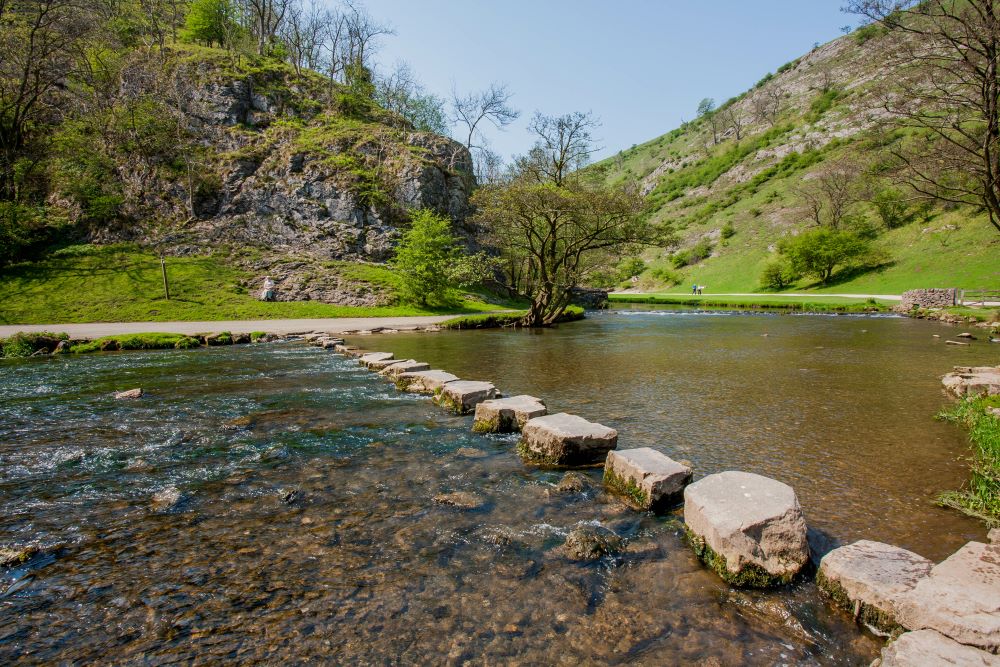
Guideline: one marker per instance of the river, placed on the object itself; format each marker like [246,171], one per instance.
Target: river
[307,529]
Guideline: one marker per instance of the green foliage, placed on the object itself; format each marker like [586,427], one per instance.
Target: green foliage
[24,344]
[819,252]
[701,250]
[869,31]
[666,276]
[143,341]
[727,231]
[631,266]
[424,257]
[823,103]
[210,21]
[778,274]
[981,495]
[892,208]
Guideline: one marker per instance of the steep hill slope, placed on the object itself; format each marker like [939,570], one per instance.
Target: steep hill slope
[736,182]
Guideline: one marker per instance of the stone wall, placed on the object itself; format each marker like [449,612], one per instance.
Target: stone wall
[927,298]
[589,298]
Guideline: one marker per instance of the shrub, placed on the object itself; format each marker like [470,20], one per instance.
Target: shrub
[666,276]
[701,250]
[424,258]
[778,274]
[727,231]
[892,208]
[631,266]
[820,252]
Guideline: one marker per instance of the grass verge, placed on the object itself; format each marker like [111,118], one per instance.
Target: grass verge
[981,495]
[811,304]
[508,319]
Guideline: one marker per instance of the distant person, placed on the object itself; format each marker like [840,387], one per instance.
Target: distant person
[267,294]
[701,289]
[694,288]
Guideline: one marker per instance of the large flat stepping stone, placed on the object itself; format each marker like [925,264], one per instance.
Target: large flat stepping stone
[507,415]
[393,371]
[565,440]
[747,528]
[374,357]
[378,366]
[646,478]
[960,598]
[462,396]
[868,579]
[424,382]
[926,647]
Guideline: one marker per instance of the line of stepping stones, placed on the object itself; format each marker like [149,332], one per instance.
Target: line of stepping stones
[748,528]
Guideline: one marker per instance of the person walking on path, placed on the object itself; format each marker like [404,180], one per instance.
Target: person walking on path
[267,294]
[694,288]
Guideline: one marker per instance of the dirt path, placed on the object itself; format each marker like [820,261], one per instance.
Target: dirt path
[331,325]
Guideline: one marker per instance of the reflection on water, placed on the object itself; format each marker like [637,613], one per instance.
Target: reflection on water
[306,529]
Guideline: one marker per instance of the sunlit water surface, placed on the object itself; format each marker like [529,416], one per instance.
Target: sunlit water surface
[309,532]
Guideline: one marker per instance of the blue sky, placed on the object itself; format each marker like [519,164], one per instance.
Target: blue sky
[640,65]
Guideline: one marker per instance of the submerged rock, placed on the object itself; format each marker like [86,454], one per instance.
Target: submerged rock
[592,543]
[647,479]
[762,608]
[462,396]
[868,578]
[565,440]
[572,482]
[926,647]
[960,598]
[507,415]
[13,556]
[747,528]
[167,500]
[461,499]
[129,394]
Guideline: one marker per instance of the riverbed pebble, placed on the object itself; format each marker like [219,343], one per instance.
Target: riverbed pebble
[565,440]
[645,478]
[868,578]
[926,647]
[424,382]
[507,415]
[960,598]
[748,528]
[462,396]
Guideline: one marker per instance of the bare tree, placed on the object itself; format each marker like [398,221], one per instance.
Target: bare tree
[492,105]
[831,192]
[734,120]
[766,104]
[706,110]
[948,87]
[362,31]
[302,33]
[265,17]
[564,144]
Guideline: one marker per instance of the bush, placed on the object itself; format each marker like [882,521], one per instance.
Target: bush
[820,252]
[632,266]
[892,208]
[701,250]
[665,275]
[727,231]
[24,344]
[424,258]
[777,275]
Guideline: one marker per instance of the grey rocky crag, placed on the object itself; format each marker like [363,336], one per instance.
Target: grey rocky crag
[296,180]
[869,578]
[646,478]
[565,440]
[507,415]
[746,527]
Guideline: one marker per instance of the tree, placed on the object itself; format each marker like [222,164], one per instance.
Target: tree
[831,192]
[424,256]
[551,226]
[266,18]
[401,92]
[818,252]
[767,104]
[470,111]
[778,274]
[706,110]
[947,85]
[210,21]
[734,120]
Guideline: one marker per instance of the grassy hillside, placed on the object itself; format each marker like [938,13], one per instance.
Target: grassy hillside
[731,203]
[124,283]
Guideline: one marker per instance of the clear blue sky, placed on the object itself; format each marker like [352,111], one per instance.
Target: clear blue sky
[640,65]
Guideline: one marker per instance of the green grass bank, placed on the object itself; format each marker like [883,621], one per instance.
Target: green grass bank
[981,495]
[811,304]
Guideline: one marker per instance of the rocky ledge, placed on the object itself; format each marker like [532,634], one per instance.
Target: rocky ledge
[972,381]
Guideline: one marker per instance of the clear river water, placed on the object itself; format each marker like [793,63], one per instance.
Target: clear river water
[307,530]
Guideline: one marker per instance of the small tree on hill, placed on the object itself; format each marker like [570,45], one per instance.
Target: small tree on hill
[210,21]
[819,252]
[425,257]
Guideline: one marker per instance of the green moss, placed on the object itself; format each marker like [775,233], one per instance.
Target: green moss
[486,425]
[257,336]
[866,613]
[534,458]
[636,497]
[144,341]
[751,576]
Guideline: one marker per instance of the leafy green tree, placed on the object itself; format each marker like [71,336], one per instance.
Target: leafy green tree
[819,252]
[209,21]
[892,208]
[425,258]
[778,274]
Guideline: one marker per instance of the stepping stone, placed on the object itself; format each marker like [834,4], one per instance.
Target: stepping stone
[372,357]
[345,349]
[960,598]
[647,479]
[868,578]
[565,440]
[748,528]
[926,647]
[462,396]
[378,366]
[424,382]
[507,415]
[392,371]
